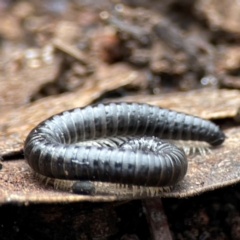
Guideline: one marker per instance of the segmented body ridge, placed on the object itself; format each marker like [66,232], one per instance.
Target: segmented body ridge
[51,148]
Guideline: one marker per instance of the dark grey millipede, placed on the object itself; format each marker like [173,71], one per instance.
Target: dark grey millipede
[51,149]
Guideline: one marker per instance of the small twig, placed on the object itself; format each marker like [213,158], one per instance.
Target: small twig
[157,219]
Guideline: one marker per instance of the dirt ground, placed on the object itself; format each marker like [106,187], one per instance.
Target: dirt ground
[58,55]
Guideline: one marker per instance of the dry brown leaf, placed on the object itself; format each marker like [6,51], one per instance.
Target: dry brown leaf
[17,87]
[224,15]
[205,103]
[216,169]
[16,124]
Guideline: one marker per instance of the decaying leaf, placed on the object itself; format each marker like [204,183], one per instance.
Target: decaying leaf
[217,169]
[17,87]
[213,170]
[225,15]
[17,123]
[205,103]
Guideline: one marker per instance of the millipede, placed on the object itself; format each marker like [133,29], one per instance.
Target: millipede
[138,156]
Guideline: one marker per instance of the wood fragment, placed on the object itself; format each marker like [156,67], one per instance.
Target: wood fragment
[70,50]
[157,219]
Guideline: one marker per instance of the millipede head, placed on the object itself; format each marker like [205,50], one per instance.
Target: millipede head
[218,138]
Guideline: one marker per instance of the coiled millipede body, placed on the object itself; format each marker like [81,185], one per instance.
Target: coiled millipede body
[51,148]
